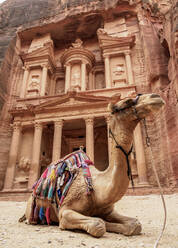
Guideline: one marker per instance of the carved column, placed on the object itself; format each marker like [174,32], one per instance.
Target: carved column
[140,156]
[91,81]
[108,120]
[107,72]
[44,79]
[57,140]
[10,172]
[129,68]
[83,76]
[24,82]
[90,138]
[35,169]
[67,77]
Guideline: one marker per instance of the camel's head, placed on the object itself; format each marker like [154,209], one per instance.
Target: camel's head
[135,109]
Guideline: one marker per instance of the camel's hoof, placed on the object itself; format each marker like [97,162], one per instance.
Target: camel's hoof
[96,228]
[134,229]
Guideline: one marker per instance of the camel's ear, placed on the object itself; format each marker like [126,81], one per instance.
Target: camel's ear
[111,107]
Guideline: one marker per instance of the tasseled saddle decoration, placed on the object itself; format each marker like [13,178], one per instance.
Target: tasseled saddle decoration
[58,177]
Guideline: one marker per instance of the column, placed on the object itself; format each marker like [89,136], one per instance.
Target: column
[35,166]
[24,82]
[140,156]
[83,77]
[10,172]
[57,140]
[89,138]
[91,81]
[44,79]
[67,77]
[129,68]
[107,72]
[108,120]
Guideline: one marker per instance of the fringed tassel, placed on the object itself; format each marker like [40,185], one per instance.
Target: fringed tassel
[88,162]
[47,214]
[44,175]
[41,214]
[50,192]
[36,214]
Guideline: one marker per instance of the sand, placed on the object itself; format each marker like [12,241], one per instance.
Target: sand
[148,209]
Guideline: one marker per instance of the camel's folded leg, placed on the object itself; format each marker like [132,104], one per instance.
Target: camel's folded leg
[122,224]
[73,220]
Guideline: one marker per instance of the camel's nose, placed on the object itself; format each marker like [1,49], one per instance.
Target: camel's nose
[154,96]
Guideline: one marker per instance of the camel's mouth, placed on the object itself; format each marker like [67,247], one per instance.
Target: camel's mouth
[155,102]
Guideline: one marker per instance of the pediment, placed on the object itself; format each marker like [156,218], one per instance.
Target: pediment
[106,40]
[39,52]
[72,100]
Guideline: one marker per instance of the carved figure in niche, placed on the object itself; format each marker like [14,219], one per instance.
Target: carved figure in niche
[76,75]
[24,164]
[60,86]
[119,69]
[34,84]
[78,43]
[100,81]
[95,213]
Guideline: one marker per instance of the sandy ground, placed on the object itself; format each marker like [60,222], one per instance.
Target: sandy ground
[148,209]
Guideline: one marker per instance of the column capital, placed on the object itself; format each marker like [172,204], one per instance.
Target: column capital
[89,120]
[38,125]
[45,66]
[26,68]
[67,64]
[108,119]
[58,123]
[106,56]
[16,126]
[127,53]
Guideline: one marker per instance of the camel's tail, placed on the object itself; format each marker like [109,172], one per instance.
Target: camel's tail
[22,218]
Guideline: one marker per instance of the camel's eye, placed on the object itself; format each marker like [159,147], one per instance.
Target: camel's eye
[129,102]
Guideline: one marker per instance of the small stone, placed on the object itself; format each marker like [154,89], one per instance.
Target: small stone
[83,243]
[71,236]
[49,241]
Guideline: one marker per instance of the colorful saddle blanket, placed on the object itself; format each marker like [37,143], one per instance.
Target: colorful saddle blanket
[56,180]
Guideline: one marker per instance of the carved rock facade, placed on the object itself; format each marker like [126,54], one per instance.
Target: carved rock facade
[65,69]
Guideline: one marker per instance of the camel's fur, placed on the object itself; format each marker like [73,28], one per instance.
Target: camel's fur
[95,213]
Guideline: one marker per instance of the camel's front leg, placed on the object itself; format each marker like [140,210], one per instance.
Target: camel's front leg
[72,220]
[122,224]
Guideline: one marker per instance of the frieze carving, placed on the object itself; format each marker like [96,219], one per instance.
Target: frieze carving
[34,85]
[119,69]
[24,164]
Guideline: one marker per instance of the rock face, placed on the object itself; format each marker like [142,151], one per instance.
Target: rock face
[154,61]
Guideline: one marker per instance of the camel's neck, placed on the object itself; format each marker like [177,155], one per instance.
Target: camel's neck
[116,175]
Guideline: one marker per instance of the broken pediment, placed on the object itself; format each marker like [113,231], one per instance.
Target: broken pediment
[107,41]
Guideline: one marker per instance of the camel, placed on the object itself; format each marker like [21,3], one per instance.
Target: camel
[95,213]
